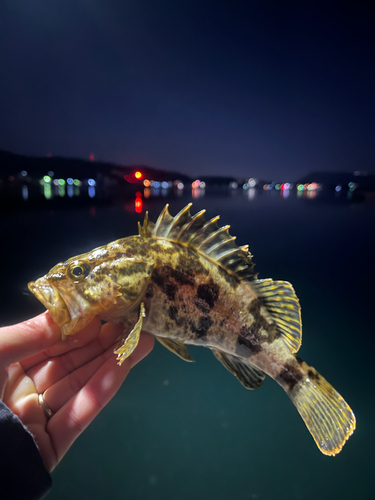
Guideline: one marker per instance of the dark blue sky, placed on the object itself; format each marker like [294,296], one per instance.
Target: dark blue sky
[258,88]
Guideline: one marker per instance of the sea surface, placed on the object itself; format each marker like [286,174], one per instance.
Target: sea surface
[177,431]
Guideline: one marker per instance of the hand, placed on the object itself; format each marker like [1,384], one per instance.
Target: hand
[77,377]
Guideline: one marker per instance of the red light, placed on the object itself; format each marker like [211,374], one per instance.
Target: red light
[138,175]
[282,187]
[138,205]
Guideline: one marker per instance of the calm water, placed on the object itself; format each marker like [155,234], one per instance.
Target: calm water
[177,431]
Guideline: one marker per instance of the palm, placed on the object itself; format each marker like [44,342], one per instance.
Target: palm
[77,377]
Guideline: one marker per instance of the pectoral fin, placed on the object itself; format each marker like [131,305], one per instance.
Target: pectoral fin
[176,347]
[131,341]
[249,376]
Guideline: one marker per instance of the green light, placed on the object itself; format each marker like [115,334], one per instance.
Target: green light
[300,187]
[277,187]
[77,182]
[61,182]
[47,178]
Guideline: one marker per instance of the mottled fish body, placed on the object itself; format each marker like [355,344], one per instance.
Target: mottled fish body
[184,280]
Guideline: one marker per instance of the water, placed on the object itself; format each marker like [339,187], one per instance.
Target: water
[177,431]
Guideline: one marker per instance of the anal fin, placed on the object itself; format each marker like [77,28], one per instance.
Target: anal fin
[176,347]
[249,376]
[129,344]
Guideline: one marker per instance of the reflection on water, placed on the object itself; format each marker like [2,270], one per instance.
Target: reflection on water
[47,191]
[25,192]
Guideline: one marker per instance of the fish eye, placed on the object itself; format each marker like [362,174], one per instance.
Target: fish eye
[78,270]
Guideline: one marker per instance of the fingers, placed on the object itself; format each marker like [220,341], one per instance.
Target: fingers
[75,341]
[78,412]
[27,338]
[60,392]
[52,370]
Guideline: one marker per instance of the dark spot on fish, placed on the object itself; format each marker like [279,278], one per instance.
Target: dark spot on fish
[290,375]
[181,278]
[201,305]
[247,332]
[170,290]
[149,291]
[299,360]
[201,329]
[254,347]
[173,314]
[313,375]
[163,281]
[208,293]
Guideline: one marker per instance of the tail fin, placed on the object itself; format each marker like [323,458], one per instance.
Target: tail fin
[326,414]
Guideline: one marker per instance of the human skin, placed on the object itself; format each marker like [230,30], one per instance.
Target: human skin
[77,377]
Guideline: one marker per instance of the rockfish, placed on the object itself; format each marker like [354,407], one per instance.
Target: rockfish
[185,281]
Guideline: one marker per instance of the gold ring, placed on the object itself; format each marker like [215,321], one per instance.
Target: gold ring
[47,410]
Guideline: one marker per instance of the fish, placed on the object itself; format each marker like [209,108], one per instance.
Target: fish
[184,280]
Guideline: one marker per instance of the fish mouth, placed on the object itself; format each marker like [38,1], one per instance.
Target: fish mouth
[50,297]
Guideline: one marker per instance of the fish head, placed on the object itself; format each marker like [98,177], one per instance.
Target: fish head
[107,282]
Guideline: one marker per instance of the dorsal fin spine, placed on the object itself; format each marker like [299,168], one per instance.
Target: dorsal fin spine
[228,252]
[178,218]
[217,246]
[211,241]
[160,218]
[202,230]
[185,228]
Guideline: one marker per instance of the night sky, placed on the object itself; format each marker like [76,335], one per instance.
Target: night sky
[249,88]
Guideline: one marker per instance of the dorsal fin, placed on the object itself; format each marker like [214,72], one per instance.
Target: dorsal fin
[204,236]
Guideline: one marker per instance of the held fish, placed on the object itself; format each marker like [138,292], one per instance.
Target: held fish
[184,280]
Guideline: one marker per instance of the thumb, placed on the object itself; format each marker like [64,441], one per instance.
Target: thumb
[27,338]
